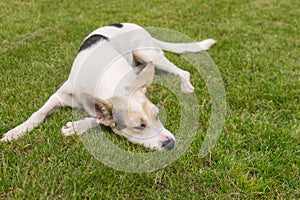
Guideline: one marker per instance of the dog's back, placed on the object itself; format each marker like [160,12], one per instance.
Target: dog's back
[115,30]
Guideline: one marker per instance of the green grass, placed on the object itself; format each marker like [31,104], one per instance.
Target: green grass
[258,153]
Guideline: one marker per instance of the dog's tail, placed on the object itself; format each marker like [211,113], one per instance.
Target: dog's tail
[180,48]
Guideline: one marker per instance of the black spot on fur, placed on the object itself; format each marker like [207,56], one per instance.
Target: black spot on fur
[93,39]
[118,25]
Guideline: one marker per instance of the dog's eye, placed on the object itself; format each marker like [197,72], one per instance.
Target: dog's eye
[140,127]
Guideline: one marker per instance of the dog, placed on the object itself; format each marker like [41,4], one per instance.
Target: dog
[104,83]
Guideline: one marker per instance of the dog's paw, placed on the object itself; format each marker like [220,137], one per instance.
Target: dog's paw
[11,135]
[186,85]
[68,129]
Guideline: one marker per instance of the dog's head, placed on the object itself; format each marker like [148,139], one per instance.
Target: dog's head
[134,116]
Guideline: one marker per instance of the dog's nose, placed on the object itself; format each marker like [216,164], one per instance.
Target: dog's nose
[168,144]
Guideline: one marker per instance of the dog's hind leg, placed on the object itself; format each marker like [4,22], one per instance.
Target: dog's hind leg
[58,99]
[156,56]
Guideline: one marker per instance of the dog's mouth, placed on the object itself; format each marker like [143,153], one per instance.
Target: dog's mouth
[162,140]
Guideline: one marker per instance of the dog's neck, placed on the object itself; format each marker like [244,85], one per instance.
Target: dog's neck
[121,84]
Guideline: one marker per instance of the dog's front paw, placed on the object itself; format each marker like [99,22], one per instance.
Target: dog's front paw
[68,129]
[11,135]
[186,85]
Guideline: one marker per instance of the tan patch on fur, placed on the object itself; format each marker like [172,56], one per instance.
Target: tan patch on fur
[147,107]
[135,119]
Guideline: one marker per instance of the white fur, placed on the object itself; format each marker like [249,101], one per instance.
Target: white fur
[100,69]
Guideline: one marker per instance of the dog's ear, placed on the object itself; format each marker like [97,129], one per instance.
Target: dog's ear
[101,109]
[144,79]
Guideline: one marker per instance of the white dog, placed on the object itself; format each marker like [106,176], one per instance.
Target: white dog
[103,81]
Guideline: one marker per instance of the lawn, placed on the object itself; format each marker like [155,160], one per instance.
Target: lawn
[257,156]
